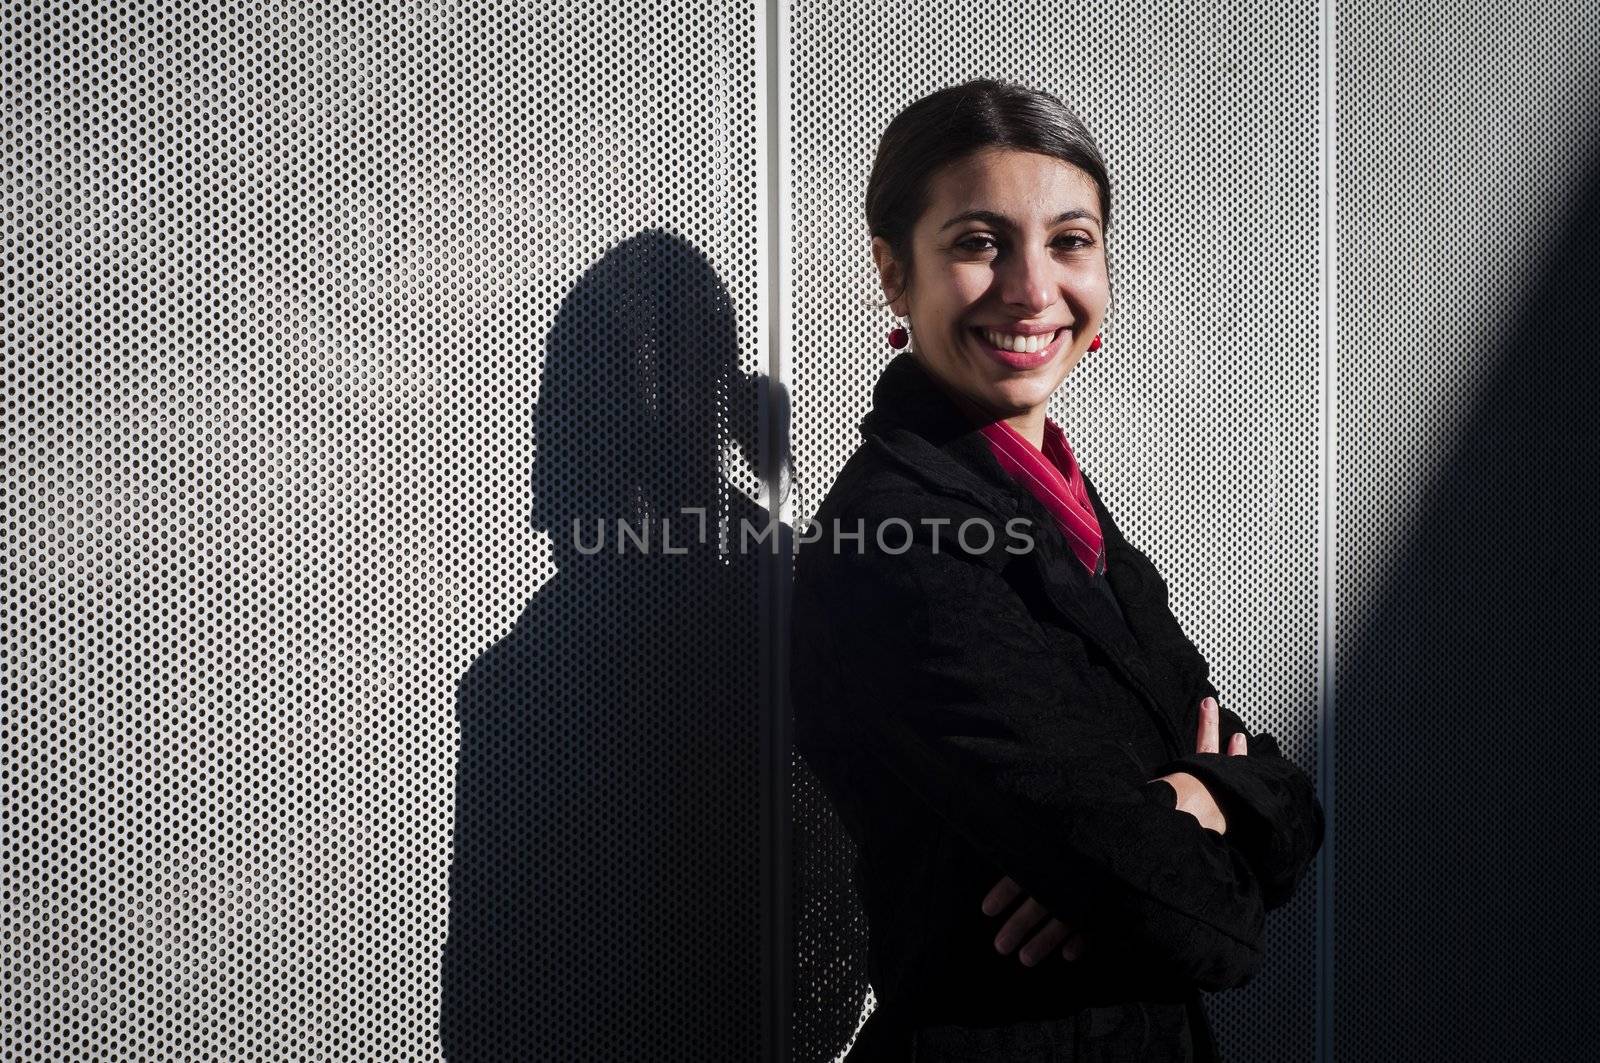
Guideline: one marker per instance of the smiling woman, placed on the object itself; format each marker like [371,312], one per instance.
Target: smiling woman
[1009,296]
[1055,854]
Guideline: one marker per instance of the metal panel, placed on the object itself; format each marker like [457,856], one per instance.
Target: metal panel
[1199,419]
[1468,194]
[303,304]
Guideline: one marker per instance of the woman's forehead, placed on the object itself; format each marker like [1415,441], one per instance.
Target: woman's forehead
[1022,187]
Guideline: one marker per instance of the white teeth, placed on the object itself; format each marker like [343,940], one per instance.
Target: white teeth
[1019,344]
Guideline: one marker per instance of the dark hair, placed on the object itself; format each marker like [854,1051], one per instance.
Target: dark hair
[955,122]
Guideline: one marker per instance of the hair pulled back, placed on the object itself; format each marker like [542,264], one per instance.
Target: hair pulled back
[955,122]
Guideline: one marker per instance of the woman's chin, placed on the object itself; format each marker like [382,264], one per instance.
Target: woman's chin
[1020,392]
[1036,385]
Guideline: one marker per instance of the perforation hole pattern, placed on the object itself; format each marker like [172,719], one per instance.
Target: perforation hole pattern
[1468,168]
[322,321]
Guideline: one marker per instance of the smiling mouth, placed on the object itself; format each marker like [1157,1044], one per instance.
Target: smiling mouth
[1036,350]
[1003,341]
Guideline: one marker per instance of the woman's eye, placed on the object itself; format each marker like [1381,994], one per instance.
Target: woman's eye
[985,243]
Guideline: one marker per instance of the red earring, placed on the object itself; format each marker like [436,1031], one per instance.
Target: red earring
[899,337]
[1094,344]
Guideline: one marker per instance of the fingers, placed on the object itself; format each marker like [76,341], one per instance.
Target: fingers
[1236,745]
[1023,923]
[1044,942]
[1024,919]
[1000,897]
[1206,739]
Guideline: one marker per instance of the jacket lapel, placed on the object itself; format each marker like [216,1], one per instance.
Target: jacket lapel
[914,423]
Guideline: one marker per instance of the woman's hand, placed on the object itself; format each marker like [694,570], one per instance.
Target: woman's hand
[1022,923]
[1193,798]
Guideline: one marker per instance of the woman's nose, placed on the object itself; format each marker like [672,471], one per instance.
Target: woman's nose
[1025,281]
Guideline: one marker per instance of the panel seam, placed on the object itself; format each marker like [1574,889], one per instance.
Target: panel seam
[773,249]
[1326,546]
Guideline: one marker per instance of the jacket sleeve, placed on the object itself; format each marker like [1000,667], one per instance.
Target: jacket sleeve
[946,682]
[1274,817]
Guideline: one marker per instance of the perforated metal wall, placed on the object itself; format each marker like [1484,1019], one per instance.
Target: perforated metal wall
[1199,417]
[1469,193]
[322,322]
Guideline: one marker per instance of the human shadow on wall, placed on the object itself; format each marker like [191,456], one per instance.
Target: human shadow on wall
[1466,727]
[605,881]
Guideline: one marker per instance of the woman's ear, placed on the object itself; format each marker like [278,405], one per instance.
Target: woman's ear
[890,277]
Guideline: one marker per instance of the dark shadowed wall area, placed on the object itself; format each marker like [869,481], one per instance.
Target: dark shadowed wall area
[1469,240]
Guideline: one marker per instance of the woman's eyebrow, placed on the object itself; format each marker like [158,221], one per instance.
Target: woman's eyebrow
[1000,221]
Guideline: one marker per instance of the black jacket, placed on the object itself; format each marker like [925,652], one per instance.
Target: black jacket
[975,708]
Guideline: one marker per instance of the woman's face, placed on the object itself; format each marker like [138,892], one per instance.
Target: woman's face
[1011,242]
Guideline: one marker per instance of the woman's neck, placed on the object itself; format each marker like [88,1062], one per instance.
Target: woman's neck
[1030,425]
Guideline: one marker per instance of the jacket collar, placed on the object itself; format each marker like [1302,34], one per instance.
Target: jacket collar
[920,426]
[915,423]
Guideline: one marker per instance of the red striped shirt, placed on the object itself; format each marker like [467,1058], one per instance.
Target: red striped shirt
[1054,478]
